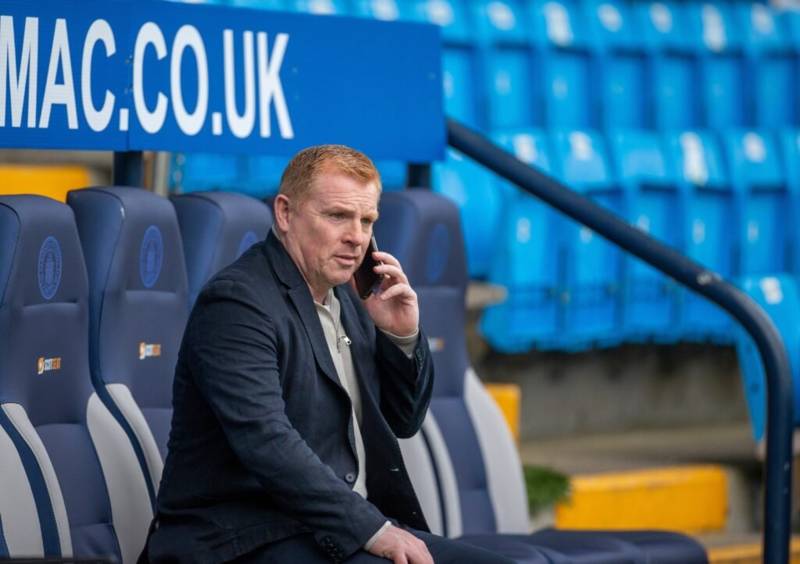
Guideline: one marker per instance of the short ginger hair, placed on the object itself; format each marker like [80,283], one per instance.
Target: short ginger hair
[306,166]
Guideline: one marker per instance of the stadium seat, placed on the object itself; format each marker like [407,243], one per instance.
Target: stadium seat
[709,209]
[718,40]
[385,10]
[593,267]
[451,15]
[652,203]
[138,310]
[772,66]
[472,188]
[778,296]
[191,172]
[562,33]
[509,80]
[71,482]
[789,140]
[321,7]
[525,259]
[464,461]
[259,4]
[459,78]
[622,64]
[674,65]
[216,228]
[764,225]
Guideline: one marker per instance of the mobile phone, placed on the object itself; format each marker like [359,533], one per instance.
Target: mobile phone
[367,280]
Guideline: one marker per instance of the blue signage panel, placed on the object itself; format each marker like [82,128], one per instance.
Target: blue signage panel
[146,75]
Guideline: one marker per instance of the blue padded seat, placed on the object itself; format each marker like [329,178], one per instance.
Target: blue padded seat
[789,141]
[526,258]
[765,223]
[464,463]
[216,228]
[138,309]
[593,269]
[708,203]
[652,203]
[779,297]
[72,484]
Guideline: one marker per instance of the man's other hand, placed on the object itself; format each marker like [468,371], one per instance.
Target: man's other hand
[394,307]
[401,547]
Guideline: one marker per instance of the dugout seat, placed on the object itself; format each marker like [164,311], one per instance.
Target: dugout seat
[138,310]
[464,463]
[70,480]
[216,228]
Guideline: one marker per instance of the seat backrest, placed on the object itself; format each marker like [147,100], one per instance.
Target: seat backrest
[477,468]
[765,216]
[216,228]
[780,299]
[138,309]
[86,494]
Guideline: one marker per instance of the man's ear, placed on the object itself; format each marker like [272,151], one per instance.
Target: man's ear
[281,210]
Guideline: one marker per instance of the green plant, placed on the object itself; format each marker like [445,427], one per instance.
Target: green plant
[545,486]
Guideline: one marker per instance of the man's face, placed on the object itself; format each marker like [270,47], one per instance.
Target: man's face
[328,233]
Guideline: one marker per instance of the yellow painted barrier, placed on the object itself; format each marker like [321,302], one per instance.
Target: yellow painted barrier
[507,397]
[747,554]
[690,499]
[44,180]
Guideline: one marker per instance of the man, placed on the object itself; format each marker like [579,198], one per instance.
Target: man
[290,392]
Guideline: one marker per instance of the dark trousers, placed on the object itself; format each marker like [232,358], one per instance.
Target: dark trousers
[303,548]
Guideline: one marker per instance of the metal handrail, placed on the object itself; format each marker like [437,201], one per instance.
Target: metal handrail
[777,494]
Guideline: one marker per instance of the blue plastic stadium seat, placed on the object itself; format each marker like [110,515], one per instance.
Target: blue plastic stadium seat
[764,217]
[216,228]
[459,85]
[510,77]
[138,309]
[200,171]
[790,151]
[772,66]
[622,64]
[471,187]
[709,207]
[563,34]
[464,463]
[260,4]
[385,10]
[71,481]
[525,259]
[718,39]
[778,296]
[263,175]
[321,7]
[593,267]
[652,203]
[674,64]
[451,15]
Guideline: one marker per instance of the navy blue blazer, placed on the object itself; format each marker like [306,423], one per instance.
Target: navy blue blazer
[262,445]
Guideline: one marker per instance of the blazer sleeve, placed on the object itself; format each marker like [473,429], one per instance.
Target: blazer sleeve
[234,359]
[406,383]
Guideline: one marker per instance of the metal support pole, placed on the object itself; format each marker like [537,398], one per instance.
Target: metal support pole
[780,419]
[128,169]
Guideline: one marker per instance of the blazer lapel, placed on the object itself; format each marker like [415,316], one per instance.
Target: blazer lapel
[301,298]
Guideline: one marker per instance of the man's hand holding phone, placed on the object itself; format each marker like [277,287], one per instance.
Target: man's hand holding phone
[390,300]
